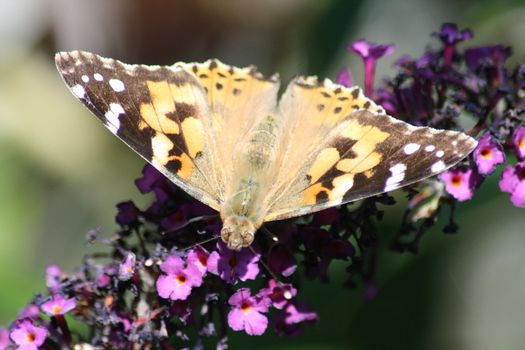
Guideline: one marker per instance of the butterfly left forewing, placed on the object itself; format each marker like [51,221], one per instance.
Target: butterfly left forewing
[365,153]
[160,112]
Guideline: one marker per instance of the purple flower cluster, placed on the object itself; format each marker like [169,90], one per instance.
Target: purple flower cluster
[167,281]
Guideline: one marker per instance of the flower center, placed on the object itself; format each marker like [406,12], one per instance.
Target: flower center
[246,306]
[233,261]
[521,143]
[57,309]
[31,337]
[456,180]
[203,260]
[520,171]
[486,153]
[181,279]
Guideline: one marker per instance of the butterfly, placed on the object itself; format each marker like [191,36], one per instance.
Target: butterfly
[221,134]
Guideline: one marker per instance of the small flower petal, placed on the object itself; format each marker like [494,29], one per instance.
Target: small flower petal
[518,139]
[513,181]
[344,78]
[27,335]
[4,338]
[488,154]
[58,305]
[127,267]
[460,183]
[247,312]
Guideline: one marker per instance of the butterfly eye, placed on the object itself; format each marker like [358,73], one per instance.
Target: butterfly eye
[226,232]
[247,236]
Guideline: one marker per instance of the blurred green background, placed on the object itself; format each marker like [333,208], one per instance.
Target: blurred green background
[61,172]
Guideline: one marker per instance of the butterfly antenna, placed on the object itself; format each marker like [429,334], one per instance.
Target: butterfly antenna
[191,221]
[211,239]
[270,234]
[274,276]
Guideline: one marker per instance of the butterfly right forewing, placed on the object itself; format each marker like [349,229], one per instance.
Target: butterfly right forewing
[358,154]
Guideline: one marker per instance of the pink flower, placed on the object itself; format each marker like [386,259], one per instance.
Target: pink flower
[30,311]
[370,53]
[4,338]
[281,260]
[53,274]
[460,183]
[513,181]
[58,305]
[248,312]
[279,294]
[519,141]
[198,257]
[488,154]
[27,335]
[289,320]
[232,265]
[344,78]
[127,267]
[177,281]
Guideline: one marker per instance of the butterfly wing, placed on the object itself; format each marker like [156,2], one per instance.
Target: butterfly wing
[357,150]
[239,98]
[160,112]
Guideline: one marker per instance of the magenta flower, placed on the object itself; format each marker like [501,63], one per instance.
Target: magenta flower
[460,183]
[488,154]
[53,274]
[127,267]
[279,294]
[58,305]
[177,281]
[4,338]
[450,36]
[198,257]
[288,321]
[30,311]
[344,78]
[519,141]
[27,335]
[370,53]
[128,213]
[513,181]
[233,265]
[281,260]
[248,312]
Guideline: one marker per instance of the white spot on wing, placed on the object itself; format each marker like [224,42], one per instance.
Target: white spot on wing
[440,154]
[117,85]
[85,78]
[398,168]
[430,148]
[411,148]
[79,91]
[437,166]
[398,174]
[112,115]
[98,77]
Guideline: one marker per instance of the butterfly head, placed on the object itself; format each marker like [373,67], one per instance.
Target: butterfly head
[237,232]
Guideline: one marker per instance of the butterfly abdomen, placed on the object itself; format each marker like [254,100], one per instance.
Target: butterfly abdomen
[242,212]
[260,150]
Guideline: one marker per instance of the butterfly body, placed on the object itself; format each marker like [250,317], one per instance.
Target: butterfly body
[222,134]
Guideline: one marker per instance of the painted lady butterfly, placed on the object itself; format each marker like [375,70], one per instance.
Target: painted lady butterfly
[221,134]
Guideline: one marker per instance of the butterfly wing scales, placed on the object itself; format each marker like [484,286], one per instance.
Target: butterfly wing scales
[239,98]
[160,112]
[359,151]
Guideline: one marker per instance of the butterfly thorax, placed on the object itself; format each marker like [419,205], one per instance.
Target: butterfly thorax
[243,212]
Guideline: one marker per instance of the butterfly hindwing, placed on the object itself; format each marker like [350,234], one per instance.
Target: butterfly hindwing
[160,112]
[361,153]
